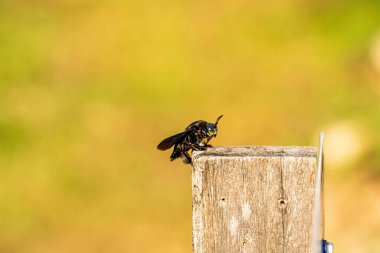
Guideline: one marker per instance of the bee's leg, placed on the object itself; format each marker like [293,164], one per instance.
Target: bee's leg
[176,153]
[186,157]
[197,147]
[208,145]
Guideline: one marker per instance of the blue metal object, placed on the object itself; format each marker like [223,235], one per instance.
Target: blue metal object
[327,247]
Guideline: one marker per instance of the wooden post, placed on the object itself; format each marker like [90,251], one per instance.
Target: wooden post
[253,199]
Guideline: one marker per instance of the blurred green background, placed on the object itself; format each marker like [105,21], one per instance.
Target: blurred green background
[89,88]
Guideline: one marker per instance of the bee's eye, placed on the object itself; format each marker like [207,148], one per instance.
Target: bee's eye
[211,131]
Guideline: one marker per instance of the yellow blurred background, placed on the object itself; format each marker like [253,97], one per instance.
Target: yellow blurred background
[89,88]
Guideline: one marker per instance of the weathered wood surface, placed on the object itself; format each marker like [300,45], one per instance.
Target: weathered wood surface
[253,199]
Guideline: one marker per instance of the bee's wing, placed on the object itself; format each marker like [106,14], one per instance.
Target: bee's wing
[170,141]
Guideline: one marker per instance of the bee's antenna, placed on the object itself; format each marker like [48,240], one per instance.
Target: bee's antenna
[217,120]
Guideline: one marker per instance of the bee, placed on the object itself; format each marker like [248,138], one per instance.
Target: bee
[195,137]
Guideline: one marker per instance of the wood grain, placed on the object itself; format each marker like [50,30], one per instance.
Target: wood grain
[253,199]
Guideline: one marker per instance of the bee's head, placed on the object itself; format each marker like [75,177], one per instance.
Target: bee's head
[212,130]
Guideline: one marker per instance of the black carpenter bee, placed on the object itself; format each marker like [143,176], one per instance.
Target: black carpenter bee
[195,137]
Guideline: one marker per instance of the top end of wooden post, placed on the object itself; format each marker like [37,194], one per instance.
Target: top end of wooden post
[257,151]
